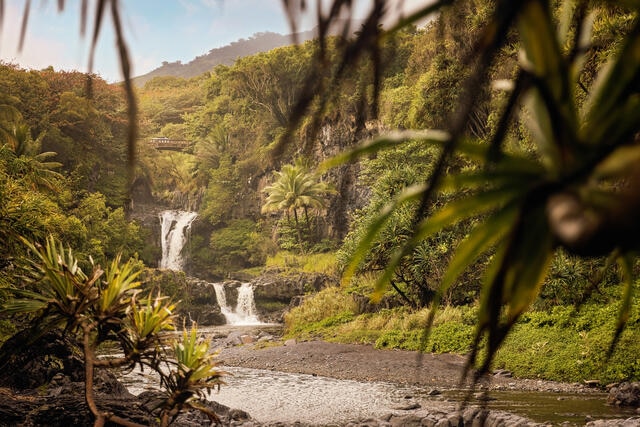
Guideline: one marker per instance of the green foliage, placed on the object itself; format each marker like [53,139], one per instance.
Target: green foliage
[294,262]
[326,308]
[238,245]
[166,100]
[573,345]
[394,173]
[405,340]
[105,231]
[561,186]
[106,307]
[221,196]
[56,193]
[563,344]
[573,281]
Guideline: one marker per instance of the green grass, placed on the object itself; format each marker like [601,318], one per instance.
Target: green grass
[560,344]
[307,263]
[566,345]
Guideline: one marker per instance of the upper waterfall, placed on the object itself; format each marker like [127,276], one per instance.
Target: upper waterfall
[175,226]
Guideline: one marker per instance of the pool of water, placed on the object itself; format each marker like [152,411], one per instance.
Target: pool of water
[547,407]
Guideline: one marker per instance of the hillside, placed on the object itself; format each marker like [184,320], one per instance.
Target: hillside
[226,55]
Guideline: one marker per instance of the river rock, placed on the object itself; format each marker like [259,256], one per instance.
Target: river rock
[619,422]
[625,394]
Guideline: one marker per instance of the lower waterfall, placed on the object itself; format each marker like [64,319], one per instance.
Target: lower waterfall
[245,312]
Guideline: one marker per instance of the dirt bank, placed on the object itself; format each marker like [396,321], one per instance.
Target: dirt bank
[365,363]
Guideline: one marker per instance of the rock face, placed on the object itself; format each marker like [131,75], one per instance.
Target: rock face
[202,304]
[334,137]
[275,293]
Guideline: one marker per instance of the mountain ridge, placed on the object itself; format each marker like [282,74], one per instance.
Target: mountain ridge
[225,55]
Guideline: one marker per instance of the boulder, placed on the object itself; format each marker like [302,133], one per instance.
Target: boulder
[625,394]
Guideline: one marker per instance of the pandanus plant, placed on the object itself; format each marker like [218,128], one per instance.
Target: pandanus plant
[107,306]
[577,189]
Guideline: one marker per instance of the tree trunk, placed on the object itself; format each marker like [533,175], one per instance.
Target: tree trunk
[298,232]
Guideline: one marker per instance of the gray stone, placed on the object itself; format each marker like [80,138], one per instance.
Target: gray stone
[625,394]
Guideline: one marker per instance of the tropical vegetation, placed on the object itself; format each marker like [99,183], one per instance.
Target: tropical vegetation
[106,306]
[492,202]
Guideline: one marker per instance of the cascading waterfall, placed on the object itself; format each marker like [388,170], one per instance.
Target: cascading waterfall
[245,312]
[174,226]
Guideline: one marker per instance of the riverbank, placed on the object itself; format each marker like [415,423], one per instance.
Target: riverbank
[365,363]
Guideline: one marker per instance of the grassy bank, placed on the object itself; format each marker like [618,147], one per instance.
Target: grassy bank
[562,344]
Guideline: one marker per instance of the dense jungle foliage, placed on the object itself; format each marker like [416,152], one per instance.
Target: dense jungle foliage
[64,154]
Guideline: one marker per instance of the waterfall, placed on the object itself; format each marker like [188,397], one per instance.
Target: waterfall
[245,312]
[174,228]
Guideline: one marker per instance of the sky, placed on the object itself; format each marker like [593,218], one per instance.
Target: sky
[155,30]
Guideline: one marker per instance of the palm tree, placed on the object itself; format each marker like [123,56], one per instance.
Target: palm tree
[22,151]
[296,188]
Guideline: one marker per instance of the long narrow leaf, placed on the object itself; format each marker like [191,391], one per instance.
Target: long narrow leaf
[410,194]
[626,262]
[480,240]
[529,268]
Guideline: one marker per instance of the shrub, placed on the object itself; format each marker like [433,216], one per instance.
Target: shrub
[103,308]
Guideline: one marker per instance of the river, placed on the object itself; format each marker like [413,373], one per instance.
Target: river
[270,396]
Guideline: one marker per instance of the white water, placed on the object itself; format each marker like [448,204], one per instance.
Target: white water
[245,312]
[175,226]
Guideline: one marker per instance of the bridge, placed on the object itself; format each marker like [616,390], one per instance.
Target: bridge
[164,143]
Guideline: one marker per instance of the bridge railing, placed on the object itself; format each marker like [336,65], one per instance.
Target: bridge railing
[163,143]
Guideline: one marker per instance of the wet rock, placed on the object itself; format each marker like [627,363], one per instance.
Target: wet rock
[406,421]
[592,383]
[275,293]
[28,364]
[408,406]
[625,394]
[629,422]
[483,396]
[234,338]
